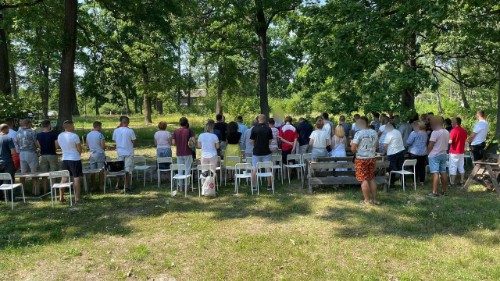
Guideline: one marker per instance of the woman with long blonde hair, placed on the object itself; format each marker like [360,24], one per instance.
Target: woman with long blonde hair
[339,142]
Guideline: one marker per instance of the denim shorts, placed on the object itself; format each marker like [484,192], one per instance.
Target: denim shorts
[264,158]
[438,163]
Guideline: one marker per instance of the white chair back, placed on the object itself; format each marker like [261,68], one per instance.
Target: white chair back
[59,174]
[277,159]
[294,157]
[409,163]
[6,177]
[140,160]
[177,167]
[205,167]
[240,167]
[265,165]
[164,160]
[306,157]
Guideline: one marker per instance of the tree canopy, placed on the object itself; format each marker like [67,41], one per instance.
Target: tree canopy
[340,56]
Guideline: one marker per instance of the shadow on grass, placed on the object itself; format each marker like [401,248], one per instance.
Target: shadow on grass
[414,215]
[39,223]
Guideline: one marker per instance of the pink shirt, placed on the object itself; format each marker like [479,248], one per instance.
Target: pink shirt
[441,138]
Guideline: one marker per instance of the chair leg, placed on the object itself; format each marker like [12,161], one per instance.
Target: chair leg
[70,197]
[403,180]
[272,183]
[390,177]
[415,181]
[22,190]
[51,196]
[12,198]
[288,171]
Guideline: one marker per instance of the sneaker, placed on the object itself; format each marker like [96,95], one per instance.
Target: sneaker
[432,194]
[443,193]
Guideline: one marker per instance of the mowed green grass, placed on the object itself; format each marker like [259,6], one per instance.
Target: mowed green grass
[290,235]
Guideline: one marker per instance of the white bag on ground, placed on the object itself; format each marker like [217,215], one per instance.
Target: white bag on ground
[208,188]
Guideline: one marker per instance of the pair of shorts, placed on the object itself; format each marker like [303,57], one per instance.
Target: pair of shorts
[260,158]
[438,163]
[129,162]
[97,160]
[365,169]
[49,163]
[456,164]
[29,161]
[74,167]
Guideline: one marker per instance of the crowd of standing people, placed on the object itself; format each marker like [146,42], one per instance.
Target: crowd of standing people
[431,140]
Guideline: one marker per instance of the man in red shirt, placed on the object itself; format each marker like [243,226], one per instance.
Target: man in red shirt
[288,136]
[458,137]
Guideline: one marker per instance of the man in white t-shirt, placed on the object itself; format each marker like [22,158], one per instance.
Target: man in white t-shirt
[125,140]
[478,137]
[96,145]
[327,124]
[393,145]
[69,142]
[209,144]
[438,157]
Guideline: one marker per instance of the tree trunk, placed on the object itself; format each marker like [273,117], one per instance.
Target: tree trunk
[179,74]
[13,81]
[440,105]
[220,89]
[465,102]
[5,87]
[67,78]
[408,95]
[96,104]
[263,62]
[159,106]
[45,89]
[146,98]
[127,104]
[497,129]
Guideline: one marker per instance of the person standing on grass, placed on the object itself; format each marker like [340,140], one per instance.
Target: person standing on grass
[458,138]
[288,137]
[478,137]
[393,145]
[47,141]
[304,129]
[354,127]
[163,141]
[209,143]
[233,144]
[417,147]
[96,144]
[274,143]
[220,129]
[437,149]
[7,149]
[248,147]
[13,135]
[327,124]
[364,144]
[319,140]
[27,144]
[125,140]
[261,137]
[181,138]
[69,142]
[242,128]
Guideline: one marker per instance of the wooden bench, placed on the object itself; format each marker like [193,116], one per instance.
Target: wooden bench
[325,173]
[489,168]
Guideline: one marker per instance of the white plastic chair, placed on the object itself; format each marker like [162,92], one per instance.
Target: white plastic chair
[403,172]
[166,161]
[109,175]
[264,170]
[203,168]
[141,165]
[278,165]
[243,171]
[65,183]
[298,165]
[175,175]
[227,159]
[10,186]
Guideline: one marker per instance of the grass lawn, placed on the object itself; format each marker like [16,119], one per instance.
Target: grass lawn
[290,235]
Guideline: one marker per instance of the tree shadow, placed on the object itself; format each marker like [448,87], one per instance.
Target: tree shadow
[416,216]
[39,223]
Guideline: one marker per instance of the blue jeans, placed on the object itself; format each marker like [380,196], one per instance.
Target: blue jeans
[318,152]
[164,152]
[437,164]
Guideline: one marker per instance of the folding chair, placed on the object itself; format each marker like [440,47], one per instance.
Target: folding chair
[264,170]
[227,159]
[298,165]
[65,183]
[10,186]
[163,166]
[278,165]
[403,172]
[141,165]
[175,175]
[243,171]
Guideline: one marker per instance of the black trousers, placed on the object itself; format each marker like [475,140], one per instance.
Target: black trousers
[478,151]
[420,167]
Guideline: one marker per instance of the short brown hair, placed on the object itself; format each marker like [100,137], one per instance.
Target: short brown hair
[97,124]
[162,125]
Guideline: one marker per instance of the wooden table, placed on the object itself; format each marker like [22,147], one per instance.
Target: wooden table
[87,172]
[482,168]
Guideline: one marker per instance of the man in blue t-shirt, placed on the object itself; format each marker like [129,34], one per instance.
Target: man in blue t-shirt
[7,148]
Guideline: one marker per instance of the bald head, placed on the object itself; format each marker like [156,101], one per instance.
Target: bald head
[261,118]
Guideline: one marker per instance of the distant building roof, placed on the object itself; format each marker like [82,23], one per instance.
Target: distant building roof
[196,93]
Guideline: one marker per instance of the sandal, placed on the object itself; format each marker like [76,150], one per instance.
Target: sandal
[375,202]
